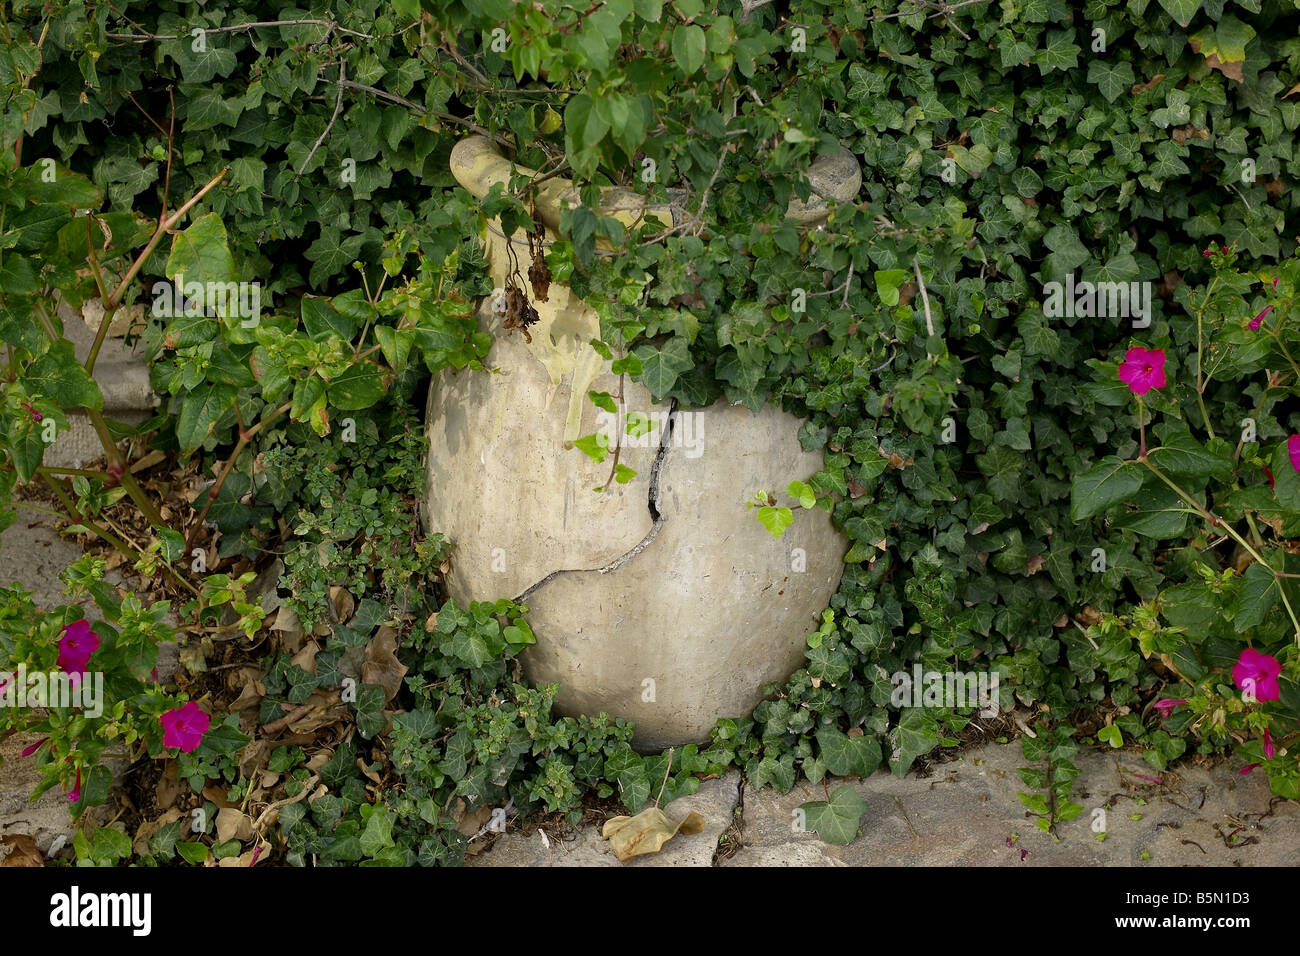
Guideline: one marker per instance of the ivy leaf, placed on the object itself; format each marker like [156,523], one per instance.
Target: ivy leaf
[1111,735]
[1111,480]
[330,254]
[1181,10]
[1061,52]
[847,756]
[775,520]
[888,282]
[917,733]
[836,821]
[660,367]
[627,768]
[1112,79]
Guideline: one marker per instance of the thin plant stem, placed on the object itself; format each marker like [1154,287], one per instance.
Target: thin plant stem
[1232,532]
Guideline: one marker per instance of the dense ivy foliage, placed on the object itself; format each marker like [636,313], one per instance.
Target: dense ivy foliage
[1005,146]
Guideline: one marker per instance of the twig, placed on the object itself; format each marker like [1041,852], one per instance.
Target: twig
[264,818]
[338,108]
[329,24]
[925,298]
[667,771]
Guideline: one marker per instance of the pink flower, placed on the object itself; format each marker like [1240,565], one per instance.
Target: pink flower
[1143,369]
[36,416]
[1268,745]
[76,646]
[1259,319]
[28,751]
[1293,450]
[1167,705]
[75,793]
[1257,674]
[1246,769]
[184,727]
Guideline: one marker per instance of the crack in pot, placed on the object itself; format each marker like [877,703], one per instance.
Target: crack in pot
[656,517]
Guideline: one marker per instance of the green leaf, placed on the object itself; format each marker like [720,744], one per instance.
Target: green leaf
[662,366]
[1111,734]
[1112,79]
[888,282]
[848,756]
[594,446]
[1286,480]
[1259,592]
[359,386]
[917,735]
[688,48]
[1183,456]
[321,320]
[803,493]
[17,275]
[1181,10]
[200,253]
[583,127]
[201,409]
[331,255]
[775,520]
[59,377]
[836,821]
[1111,480]
[193,853]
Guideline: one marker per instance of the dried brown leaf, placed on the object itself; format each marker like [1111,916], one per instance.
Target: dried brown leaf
[647,832]
[22,851]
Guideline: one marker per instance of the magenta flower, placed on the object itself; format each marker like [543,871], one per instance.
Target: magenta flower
[1143,369]
[1167,705]
[1247,769]
[1268,745]
[184,727]
[36,416]
[1293,450]
[76,646]
[75,793]
[28,751]
[1257,674]
[1258,320]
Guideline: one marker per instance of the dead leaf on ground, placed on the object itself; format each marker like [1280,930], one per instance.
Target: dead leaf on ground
[381,665]
[474,820]
[647,832]
[232,824]
[145,832]
[343,603]
[167,788]
[1148,86]
[306,657]
[22,851]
